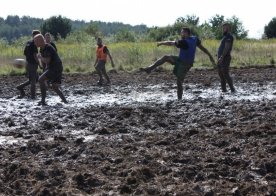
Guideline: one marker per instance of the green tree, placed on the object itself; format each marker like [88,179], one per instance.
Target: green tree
[270,29]
[237,28]
[93,30]
[216,23]
[125,36]
[189,20]
[57,26]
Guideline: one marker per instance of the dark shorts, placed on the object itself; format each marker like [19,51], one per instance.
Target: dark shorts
[181,68]
[54,76]
[31,70]
[226,62]
[101,65]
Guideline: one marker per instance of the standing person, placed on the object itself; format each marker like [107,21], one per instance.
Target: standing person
[30,52]
[101,57]
[54,69]
[224,58]
[48,40]
[184,61]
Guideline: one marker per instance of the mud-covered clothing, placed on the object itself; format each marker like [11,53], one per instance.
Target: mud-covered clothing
[54,67]
[224,65]
[185,60]
[101,64]
[227,37]
[29,51]
[101,53]
[54,45]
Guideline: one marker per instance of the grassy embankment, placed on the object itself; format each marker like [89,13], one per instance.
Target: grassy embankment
[131,56]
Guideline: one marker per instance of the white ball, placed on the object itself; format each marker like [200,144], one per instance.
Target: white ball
[19,63]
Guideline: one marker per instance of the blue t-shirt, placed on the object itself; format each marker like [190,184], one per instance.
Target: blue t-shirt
[226,38]
[188,48]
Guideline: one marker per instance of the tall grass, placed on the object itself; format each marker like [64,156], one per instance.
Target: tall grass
[80,57]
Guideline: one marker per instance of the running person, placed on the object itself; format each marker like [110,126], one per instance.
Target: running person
[101,57]
[54,69]
[184,61]
[224,58]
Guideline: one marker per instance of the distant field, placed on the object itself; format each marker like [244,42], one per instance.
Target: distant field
[131,56]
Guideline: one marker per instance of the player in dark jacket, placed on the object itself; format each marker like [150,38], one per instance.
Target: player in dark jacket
[30,53]
[224,58]
[53,72]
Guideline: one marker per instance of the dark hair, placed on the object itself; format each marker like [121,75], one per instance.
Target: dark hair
[35,32]
[187,30]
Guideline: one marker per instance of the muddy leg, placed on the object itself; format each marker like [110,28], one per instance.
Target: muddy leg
[99,71]
[56,88]
[228,79]
[42,79]
[157,63]
[21,88]
[105,75]
[222,79]
[179,83]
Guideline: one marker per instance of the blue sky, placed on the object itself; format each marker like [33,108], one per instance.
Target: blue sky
[253,14]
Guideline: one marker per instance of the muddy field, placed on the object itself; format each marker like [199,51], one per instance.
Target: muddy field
[134,137]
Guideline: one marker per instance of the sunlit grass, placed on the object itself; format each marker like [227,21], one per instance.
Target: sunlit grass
[131,56]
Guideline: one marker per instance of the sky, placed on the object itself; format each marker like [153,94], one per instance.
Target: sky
[254,15]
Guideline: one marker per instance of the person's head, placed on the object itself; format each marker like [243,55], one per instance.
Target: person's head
[226,27]
[35,32]
[99,41]
[39,40]
[47,37]
[185,32]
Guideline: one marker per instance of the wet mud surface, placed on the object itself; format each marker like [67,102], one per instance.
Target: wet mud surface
[134,137]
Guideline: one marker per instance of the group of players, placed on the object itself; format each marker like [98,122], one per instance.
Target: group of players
[48,59]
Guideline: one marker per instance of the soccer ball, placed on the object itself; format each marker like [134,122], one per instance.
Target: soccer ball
[19,63]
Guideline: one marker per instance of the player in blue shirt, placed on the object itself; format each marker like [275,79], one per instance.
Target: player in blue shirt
[184,61]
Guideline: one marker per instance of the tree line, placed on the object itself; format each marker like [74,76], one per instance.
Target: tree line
[14,27]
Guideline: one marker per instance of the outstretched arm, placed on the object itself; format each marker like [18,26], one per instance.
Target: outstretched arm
[166,43]
[203,49]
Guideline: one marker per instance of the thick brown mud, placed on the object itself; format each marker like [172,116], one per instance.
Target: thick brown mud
[134,137]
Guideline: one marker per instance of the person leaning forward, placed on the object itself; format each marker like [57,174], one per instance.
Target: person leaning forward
[184,61]
[53,72]
[30,52]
